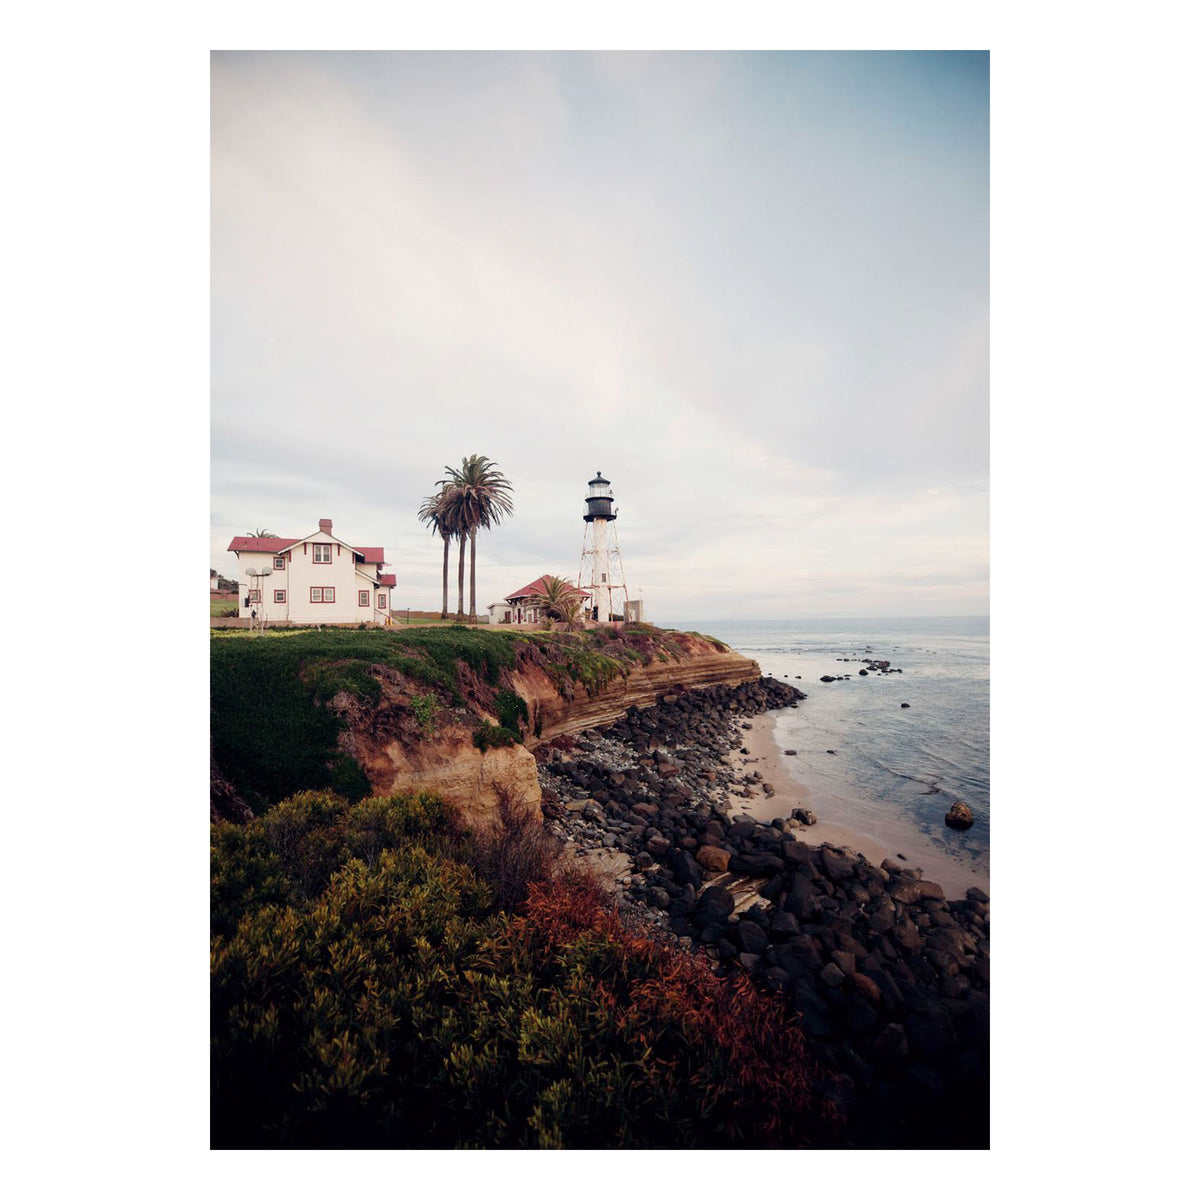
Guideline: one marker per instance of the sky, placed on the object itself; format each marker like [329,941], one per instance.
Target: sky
[750,288]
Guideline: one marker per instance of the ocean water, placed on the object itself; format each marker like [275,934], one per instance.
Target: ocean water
[895,771]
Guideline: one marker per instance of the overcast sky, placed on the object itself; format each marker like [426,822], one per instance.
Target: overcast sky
[752,289]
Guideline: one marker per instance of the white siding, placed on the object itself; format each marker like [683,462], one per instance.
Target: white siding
[258,562]
[338,574]
[299,575]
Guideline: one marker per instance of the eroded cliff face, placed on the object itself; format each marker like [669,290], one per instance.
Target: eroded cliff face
[702,665]
[395,756]
[474,782]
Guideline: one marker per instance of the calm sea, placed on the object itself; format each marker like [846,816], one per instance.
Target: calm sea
[895,771]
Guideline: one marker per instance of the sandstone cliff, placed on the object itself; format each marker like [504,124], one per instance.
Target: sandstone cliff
[702,663]
[473,781]
[447,760]
[386,711]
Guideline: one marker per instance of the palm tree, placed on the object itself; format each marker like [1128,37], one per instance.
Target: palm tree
[454,517]
[559,597]
[572,612]
[260,533]
[480,498]
[435,512]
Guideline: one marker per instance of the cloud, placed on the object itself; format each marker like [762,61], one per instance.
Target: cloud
[739,286]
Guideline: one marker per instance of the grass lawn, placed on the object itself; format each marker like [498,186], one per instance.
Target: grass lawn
[223,607]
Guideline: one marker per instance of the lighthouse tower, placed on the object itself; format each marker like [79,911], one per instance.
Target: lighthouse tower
[600,569]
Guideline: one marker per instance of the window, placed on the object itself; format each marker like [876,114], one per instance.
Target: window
[322,552]
[327,595]
[254,595]
[383,599]
[364,599]
[320,595]
[280,563]
[280,596]
[603,578]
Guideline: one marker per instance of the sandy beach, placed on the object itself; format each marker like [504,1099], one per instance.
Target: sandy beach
[766,757]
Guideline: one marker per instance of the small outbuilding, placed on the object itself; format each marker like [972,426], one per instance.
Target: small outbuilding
[527,605]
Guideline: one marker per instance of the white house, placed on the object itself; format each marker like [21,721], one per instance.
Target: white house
[316,579]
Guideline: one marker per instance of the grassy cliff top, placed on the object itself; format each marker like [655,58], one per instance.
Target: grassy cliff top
[273,732]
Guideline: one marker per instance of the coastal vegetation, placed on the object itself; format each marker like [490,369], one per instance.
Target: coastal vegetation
[380,978]
[366,948]
[561,600]
[274,731]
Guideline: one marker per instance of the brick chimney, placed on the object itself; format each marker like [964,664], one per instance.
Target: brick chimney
[326,525]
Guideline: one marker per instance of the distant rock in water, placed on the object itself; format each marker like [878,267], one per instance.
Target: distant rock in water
[826,678]
[906,705]
[959,816]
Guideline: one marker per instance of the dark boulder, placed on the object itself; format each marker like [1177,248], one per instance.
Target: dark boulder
[832,976]
[751,936]
[757,864]
[838,866]
[814,1013]
[685,868]
[784,924]
[959,816]
[712,858]
[714,904]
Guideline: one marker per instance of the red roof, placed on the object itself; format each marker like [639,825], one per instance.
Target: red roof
[263,545]
[538,588]
[275,545]
[387,581]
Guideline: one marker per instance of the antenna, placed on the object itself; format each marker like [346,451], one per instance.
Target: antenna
[256,581]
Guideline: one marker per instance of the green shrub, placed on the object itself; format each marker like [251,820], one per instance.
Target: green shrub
[487,736]
[270,734]
[514,853]
[511,710]
[394,1005]
[425,709]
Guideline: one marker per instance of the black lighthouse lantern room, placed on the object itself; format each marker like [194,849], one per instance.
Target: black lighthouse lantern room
[599,500]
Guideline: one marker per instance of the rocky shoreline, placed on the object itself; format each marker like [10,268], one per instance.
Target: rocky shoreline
[889,978]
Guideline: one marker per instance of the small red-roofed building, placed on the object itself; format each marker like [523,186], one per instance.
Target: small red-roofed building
[317,579]
[527,605]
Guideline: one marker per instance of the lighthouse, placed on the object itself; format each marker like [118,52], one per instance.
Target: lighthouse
[600,569]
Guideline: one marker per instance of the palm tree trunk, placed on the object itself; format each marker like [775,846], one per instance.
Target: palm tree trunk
[462,549]
[445,574]
[474,618]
